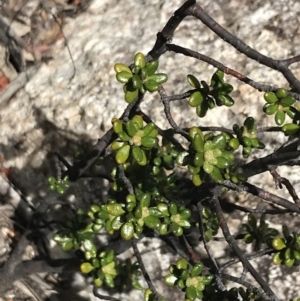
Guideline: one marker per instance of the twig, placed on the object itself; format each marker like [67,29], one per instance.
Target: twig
[232,243]
[144,271]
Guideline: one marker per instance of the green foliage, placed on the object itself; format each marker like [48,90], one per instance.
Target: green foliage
[258,233]
[146,186]
[212,293]
[140,78]
[280,104]
[188,279]
[246,136]
[59,185]
[208,96]
[287,248]
[135,140]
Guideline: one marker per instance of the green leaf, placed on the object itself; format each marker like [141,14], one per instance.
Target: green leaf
[281,93]
[123,154]
[193,81]
[170,280]
[270,98]
[234,143]
[173,208]
[116,145]
[191,293]
[280,117]
[127,231]
[208,168]
[159,78]
[197,269]
[149,142]
[151,68]
[287,101]
[115,209]
[202,109]
[139,155]
[136,82]
[197,181]
[139,120]
[119,67]
[222,162]
[270,109]
[139,60]
[290,129]
[216,175]
[199,159]
[198,143]
[131,127]
[152,222]
[151,85]
[278,244]
[86,268]
[117,125]
[67,245]
[219,142]
[123,77]
[196,99]
[130,96]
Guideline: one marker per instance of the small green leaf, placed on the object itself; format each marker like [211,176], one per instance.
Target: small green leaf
[234,143]
[287,101]
[152,222]
[216,175]
[131,127]
[222,162]
[276,259]
[149,142]
[151,85]
[136,82]
[130,96]
[202,109]
[182,264]
[127,231]
[199,159]
[270,98]
[116,145]
[197,269]
[159,78]
[123,154]
[115,209]
[280,117]
[119,67]
[270,109]
[123,77]
[173,208]
[208,168]
[193,81]
[196,99]
[281,93]
[278,244]
[117,125]
[290,129]
[197,181]
[139,155]
[86,268]
[67,245]
[139,60]
[170,280]
[191,293]
[198,143]
[151,68]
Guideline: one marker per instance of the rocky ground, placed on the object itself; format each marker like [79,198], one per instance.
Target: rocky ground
[64,94]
